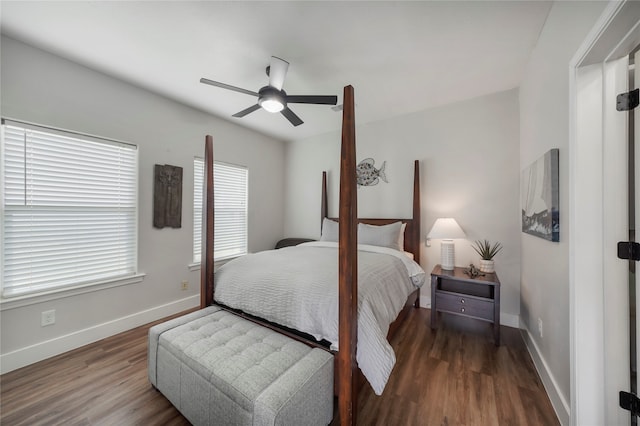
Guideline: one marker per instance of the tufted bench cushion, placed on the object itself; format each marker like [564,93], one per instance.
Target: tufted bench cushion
[218,368]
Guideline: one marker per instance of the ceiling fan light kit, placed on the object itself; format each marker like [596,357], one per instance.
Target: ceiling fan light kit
[272,98]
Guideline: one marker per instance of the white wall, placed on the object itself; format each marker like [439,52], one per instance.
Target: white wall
[468,154]
[45,89]
[544,124]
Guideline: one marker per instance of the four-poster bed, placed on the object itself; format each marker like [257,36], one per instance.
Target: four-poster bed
[347,375]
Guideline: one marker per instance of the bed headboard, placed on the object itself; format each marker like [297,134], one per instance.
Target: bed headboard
[412,232]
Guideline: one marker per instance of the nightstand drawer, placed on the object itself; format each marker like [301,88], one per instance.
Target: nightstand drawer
[465,305]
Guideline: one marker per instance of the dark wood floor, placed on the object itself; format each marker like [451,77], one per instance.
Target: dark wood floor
[455,375]
[451,376]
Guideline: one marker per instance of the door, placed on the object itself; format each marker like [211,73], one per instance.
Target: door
[621,212]
[601,322]
[617,174]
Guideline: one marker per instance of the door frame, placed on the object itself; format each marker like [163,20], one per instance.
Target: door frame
[586,222]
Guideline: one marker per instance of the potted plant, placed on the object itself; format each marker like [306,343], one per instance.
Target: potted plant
[487,252]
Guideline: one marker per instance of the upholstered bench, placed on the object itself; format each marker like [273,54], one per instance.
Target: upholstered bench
[218,368]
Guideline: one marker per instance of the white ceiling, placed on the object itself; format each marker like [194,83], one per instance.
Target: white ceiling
[400,57]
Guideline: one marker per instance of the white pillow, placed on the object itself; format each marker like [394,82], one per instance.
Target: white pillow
[329,230]
[401,237]
[383,236]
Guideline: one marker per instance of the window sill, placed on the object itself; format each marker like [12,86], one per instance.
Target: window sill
[32,299]
[216,263]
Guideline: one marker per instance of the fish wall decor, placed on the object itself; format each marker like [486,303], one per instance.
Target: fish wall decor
[368,175]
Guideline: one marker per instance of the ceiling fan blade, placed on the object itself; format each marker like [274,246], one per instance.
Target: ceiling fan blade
[247,111]
[228,86]
[277,72]
[292,117]
[319,100]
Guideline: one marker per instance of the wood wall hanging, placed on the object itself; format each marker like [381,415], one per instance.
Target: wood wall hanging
[167,196]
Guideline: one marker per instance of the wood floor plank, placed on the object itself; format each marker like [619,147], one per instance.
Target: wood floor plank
[454,375]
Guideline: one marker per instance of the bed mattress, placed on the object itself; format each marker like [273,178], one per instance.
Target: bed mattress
[297,287]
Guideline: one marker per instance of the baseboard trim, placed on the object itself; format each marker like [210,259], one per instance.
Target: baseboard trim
[558,400]
[49,348]
[510,320]
[425,301]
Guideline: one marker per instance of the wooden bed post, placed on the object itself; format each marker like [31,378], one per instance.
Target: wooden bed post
[348,268]
[324,209]
[206,242]
[416,218]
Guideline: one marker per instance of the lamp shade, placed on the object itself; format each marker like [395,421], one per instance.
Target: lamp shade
[446,228]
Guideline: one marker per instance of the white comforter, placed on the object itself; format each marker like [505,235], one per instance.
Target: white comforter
[298,287]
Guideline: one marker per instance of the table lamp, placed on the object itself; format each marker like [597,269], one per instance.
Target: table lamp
[446,229]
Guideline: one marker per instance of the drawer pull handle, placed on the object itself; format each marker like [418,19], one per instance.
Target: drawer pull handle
[462,310]
[461,300]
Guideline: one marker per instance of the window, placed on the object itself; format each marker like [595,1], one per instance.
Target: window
[230,201]
[69,209]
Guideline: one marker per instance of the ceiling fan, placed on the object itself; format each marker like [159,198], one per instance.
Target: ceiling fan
[272,98]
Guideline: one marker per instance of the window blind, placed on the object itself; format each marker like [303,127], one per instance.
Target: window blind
[69,210]
[230,204]
[198,182]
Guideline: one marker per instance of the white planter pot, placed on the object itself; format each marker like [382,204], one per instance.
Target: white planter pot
[487,266]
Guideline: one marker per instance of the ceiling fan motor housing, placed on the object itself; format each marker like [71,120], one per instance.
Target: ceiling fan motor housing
[272,99]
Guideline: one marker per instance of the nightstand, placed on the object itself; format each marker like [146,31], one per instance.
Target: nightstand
[457,293]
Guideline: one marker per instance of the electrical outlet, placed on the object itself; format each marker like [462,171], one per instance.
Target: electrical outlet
[185,285]
[540,327]
[48,318]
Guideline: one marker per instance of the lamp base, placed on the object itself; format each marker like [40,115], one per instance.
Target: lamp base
[447,254]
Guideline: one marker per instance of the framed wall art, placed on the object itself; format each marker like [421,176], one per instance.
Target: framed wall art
[541,197]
